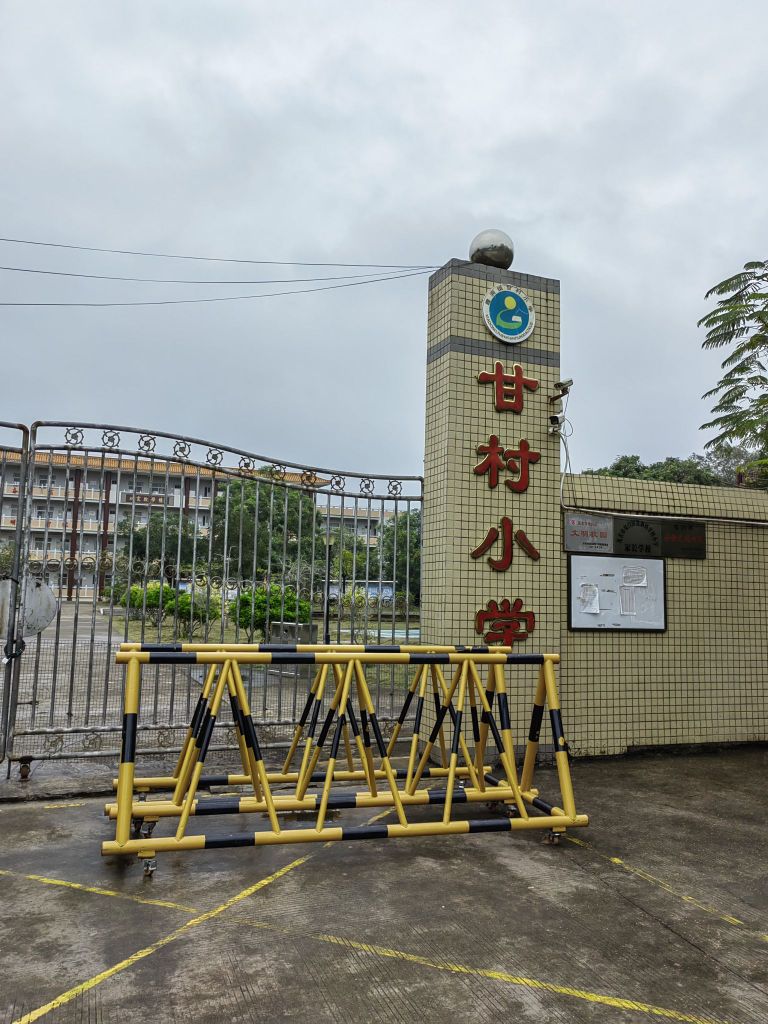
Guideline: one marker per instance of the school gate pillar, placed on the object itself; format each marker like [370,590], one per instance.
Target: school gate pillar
[492,569]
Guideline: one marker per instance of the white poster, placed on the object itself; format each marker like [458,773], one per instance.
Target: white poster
[609,592]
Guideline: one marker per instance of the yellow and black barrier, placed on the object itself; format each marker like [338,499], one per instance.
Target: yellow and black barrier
[339,727]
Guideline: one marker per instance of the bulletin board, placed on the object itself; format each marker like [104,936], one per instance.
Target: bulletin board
[615,593]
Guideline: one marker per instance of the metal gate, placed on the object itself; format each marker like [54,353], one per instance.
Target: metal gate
[149,536]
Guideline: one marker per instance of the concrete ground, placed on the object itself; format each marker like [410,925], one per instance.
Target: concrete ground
[658,911]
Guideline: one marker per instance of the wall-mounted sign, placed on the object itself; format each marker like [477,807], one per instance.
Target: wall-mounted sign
[605,592]
[584,532]
[508,314]
[634,536]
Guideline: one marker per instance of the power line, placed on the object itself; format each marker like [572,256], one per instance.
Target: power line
[229,298]
[174,280]
[215,259]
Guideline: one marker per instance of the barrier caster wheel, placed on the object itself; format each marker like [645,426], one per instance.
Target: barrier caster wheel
[552,838]
[150,866]
[147,828]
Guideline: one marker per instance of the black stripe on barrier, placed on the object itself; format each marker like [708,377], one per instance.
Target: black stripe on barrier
[364,727]
[293,658]
[353,719]
[503,711]
[419,710]
[305,712]
[205,739]
[159,648]
[536,717]
[203,725]
[337,738]
[382,649]
[490,825]
[377,733]
[197,717]
[456,732]
[365,832]
[250,736]
[406,705]
[542,805]
[313,719]
[475,724]
[438,723]
[338,801]
[558,736]
[492,780]
[489,695]
[214,780]
[525,659]
[236,839]
[172,658]
[237,714]
[223,805]
[128,751]
[326,727]
[430,659]
[438,796]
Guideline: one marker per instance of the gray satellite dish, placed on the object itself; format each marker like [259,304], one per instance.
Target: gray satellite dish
[39,603]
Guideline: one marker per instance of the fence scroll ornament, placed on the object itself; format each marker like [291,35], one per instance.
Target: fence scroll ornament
[148,536]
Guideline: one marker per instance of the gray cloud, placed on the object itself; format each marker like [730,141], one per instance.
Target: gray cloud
[622,147]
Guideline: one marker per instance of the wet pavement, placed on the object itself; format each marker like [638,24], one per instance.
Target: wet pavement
[657,911]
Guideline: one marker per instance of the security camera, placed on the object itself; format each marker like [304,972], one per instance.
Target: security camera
[555,423]
[563,385]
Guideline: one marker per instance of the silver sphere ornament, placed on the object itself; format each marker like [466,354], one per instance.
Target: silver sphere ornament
[493,248]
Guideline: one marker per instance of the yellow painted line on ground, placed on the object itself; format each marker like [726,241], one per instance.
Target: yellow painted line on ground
[61,807]
[73,993]
[100,892]
[647,877]
[616,1002]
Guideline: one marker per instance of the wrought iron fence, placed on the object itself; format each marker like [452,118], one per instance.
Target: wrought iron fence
[144,535]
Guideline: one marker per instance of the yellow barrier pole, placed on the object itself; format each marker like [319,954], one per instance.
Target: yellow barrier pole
[436,697]
[301,788]
[558,738]
[125,772]
[415,739]
[508,763]
[312,724]
[475,730]
[238,715]
[455,743]
[462,742]
[254,750]
[490,692]
[340,711]
[369,772]
[443,710]
[298,731]
[404,711]
[196,716]
[205,739]
[532,746]
[190,754]
[385,763]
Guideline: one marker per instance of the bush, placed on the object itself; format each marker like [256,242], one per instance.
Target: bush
[250,610]
[135,597]
[192,615]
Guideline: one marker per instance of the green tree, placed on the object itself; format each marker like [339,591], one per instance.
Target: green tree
[148,540]
[400,552]
[740,322]
[696,469]
[261,517]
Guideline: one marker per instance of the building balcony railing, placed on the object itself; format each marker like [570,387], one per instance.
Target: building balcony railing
[54,524]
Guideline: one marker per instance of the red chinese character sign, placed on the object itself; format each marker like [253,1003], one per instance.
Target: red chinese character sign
[507,535]
[498,459]
[509,388]
[502,622]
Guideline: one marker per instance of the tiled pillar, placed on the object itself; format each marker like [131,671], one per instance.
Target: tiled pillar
[460,506]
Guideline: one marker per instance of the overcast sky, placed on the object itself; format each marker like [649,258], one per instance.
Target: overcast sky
[622,146]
